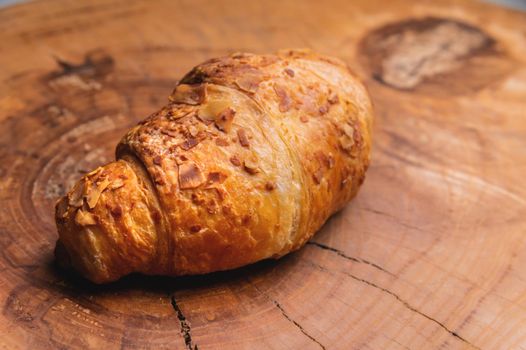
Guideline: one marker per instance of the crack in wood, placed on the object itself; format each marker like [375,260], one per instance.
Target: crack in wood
[287,317]
[378,212]
[345,256]
[404,303]
[186,330]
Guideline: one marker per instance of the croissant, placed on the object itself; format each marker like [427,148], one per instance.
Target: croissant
[249,158]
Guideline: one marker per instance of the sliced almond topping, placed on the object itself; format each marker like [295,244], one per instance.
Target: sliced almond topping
[251,166]
[96,171]
[330,161]
[189,94]
[348,130]
[285,103]
[248,82]
[62,208]
[208,112]
[224,119]
[346,142]
[158,179]
[221,193]
[169,132]
[323,109]
[243,138]
[318,176]
[289,72]
[270,186]
[189,143]
[193,131]
[84,218]
[190,176]
[94,194]
[235,160]
[183,158]
[75,197]
[179,111]
[216,177]
[333,99]
[221,141]
[198,199]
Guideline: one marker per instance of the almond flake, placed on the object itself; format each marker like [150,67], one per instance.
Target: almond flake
[216,177]
[323,109]
[289,72]
[346,142]
[221,141]
[348,130]
[193,131]
[189,143]
[75,197]
[248,82]
[209,112]
[94,194]
[243,138]
[235,160]
[96,171]
[84,218]
[285,103]
[189,94]
[330,161]
[269,186]
[251,166]
[190,176]
[224,119]
[169,132]
[318,176]
[333,99]
[62,208]
[179,112]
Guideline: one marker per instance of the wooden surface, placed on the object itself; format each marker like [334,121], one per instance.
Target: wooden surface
[432,252]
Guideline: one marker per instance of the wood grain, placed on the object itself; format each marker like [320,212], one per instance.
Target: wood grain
[431,253]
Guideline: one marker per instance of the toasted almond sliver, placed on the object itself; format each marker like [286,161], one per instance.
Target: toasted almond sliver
[251,166]
[75,197]
[94,194]
[224,119]
[318,175]
[84,218]
[346,142]
[189,94]
[249,82]
[243,138]
[285,102]
[348,130]
[117,183]
[193,131]
[190,176]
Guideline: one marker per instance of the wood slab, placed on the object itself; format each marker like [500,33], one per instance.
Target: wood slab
[432,252]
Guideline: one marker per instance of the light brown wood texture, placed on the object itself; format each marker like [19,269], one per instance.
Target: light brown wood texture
[432,252]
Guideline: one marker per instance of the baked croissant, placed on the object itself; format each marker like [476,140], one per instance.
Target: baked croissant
[249,158]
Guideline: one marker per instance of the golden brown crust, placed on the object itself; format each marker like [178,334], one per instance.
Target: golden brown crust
[250,157]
